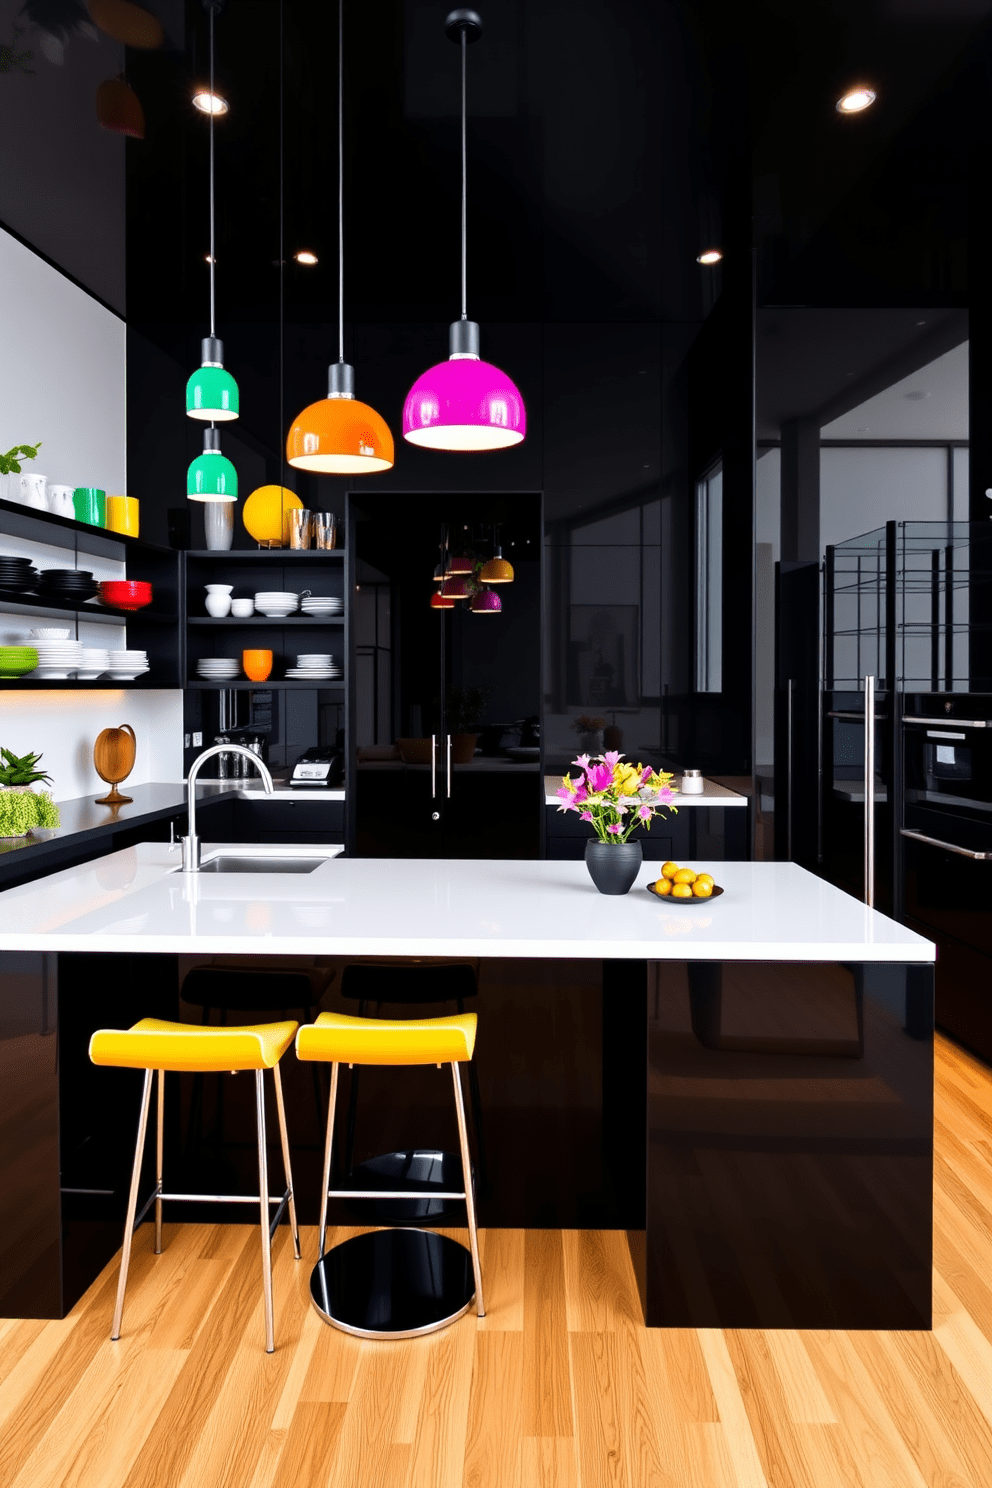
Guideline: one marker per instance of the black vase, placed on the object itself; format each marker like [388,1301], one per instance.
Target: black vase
[613,866]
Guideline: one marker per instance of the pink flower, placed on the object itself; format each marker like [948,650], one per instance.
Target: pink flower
[611,757]
[645,813]
[665,794]
[582,762]
[615,828]
[564,793]
[646,774]
[585,816]
[599,777]
[580,793]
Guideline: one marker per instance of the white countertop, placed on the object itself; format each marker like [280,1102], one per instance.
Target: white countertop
[134,900]
[710,795]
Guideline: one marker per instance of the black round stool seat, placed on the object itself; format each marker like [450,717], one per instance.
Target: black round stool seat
[393,1283]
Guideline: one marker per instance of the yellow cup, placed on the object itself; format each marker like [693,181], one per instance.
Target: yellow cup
[122,515]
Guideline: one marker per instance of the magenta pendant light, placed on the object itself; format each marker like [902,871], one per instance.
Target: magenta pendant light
[464,403]
[486,602]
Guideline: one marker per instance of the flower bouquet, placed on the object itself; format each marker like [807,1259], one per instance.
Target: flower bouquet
[616,798]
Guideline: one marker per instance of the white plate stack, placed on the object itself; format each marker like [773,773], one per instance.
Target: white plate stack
[276,603]
[94,661]
[126,665]
[57,659]
[318,667]
[218,668]
[321,608]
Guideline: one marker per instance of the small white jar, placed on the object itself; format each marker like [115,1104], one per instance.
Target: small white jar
[692,783]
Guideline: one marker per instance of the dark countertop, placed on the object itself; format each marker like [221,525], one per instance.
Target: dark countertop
[83,819]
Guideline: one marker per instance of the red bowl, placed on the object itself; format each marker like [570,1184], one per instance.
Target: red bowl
[126,594]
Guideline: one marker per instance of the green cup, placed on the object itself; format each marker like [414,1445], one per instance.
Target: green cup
[90,505]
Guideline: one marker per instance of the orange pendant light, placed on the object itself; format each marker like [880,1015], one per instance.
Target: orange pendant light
[338,435]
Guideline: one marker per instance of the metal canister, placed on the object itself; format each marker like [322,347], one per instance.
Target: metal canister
[223,760]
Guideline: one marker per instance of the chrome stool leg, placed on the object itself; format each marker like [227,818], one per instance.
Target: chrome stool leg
[263,1194]
[473,1232]
[287,1169]
[132,1207]
[328,1155]
[159,1152]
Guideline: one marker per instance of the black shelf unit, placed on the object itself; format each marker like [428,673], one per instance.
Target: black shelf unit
[270,622]
[321,571]
[155,628]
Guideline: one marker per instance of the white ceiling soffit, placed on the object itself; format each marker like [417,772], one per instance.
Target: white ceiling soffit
[929,404]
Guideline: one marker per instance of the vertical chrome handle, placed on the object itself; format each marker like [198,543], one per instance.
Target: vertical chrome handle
[788,770]
[433,766]
[870,791]
[449,764]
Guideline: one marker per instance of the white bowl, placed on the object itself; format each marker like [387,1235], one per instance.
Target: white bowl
[218,588]
[51,633]
[242,608]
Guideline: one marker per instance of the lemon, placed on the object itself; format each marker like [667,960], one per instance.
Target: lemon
[685,876]
[669,870]
[706,878]
[701,889]
[663,886]
[681,891]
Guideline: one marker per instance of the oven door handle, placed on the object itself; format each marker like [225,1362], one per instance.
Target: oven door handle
[946,722]
[856,717]
[965,852]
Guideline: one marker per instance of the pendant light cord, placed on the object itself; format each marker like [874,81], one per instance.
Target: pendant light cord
[464,190]
[340,180]
[213,105]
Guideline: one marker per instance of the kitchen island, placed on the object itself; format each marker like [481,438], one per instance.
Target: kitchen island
[766,1083]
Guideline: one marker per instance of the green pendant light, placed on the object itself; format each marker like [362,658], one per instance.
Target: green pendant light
[211,476]
[212,393]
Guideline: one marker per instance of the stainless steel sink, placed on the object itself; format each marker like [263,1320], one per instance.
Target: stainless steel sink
[266,858]
[248,863]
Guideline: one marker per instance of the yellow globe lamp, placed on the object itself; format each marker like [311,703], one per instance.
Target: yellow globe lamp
[264,515]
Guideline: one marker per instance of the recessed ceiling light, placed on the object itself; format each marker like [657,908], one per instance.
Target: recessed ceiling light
[710,256]
[305,256]
[209,103]
[917,396]
[855,101]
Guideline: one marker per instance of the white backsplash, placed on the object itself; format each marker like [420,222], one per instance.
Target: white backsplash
[63,725]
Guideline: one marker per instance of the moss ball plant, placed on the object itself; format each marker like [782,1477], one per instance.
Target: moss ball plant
[20,811]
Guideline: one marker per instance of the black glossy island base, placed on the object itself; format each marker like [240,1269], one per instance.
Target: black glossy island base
[761,1130]
[790,1146]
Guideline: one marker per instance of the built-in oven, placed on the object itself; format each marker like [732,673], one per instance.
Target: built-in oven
[947,853]
[948,762]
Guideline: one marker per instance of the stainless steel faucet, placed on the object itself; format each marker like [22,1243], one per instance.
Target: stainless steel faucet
[191,844]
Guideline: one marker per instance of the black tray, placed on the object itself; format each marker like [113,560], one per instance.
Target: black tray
[667,898]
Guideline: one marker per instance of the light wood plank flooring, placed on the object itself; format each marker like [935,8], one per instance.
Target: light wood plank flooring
[558,1387]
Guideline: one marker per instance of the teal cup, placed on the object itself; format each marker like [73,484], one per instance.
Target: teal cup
[90,505]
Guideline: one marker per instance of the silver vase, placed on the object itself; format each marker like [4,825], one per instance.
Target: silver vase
[218,525]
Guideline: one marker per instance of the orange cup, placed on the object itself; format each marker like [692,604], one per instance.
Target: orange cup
[257,665]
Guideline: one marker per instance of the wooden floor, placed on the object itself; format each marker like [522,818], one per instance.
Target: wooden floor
[558,1387]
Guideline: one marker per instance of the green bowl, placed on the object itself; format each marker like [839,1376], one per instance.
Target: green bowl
[15,661]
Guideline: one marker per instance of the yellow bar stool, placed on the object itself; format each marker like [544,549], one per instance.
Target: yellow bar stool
[153,1044]
[394,1283]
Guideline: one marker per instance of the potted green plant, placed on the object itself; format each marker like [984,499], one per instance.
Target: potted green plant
[18,772]
[466,707]
[10,464]
[615,798]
